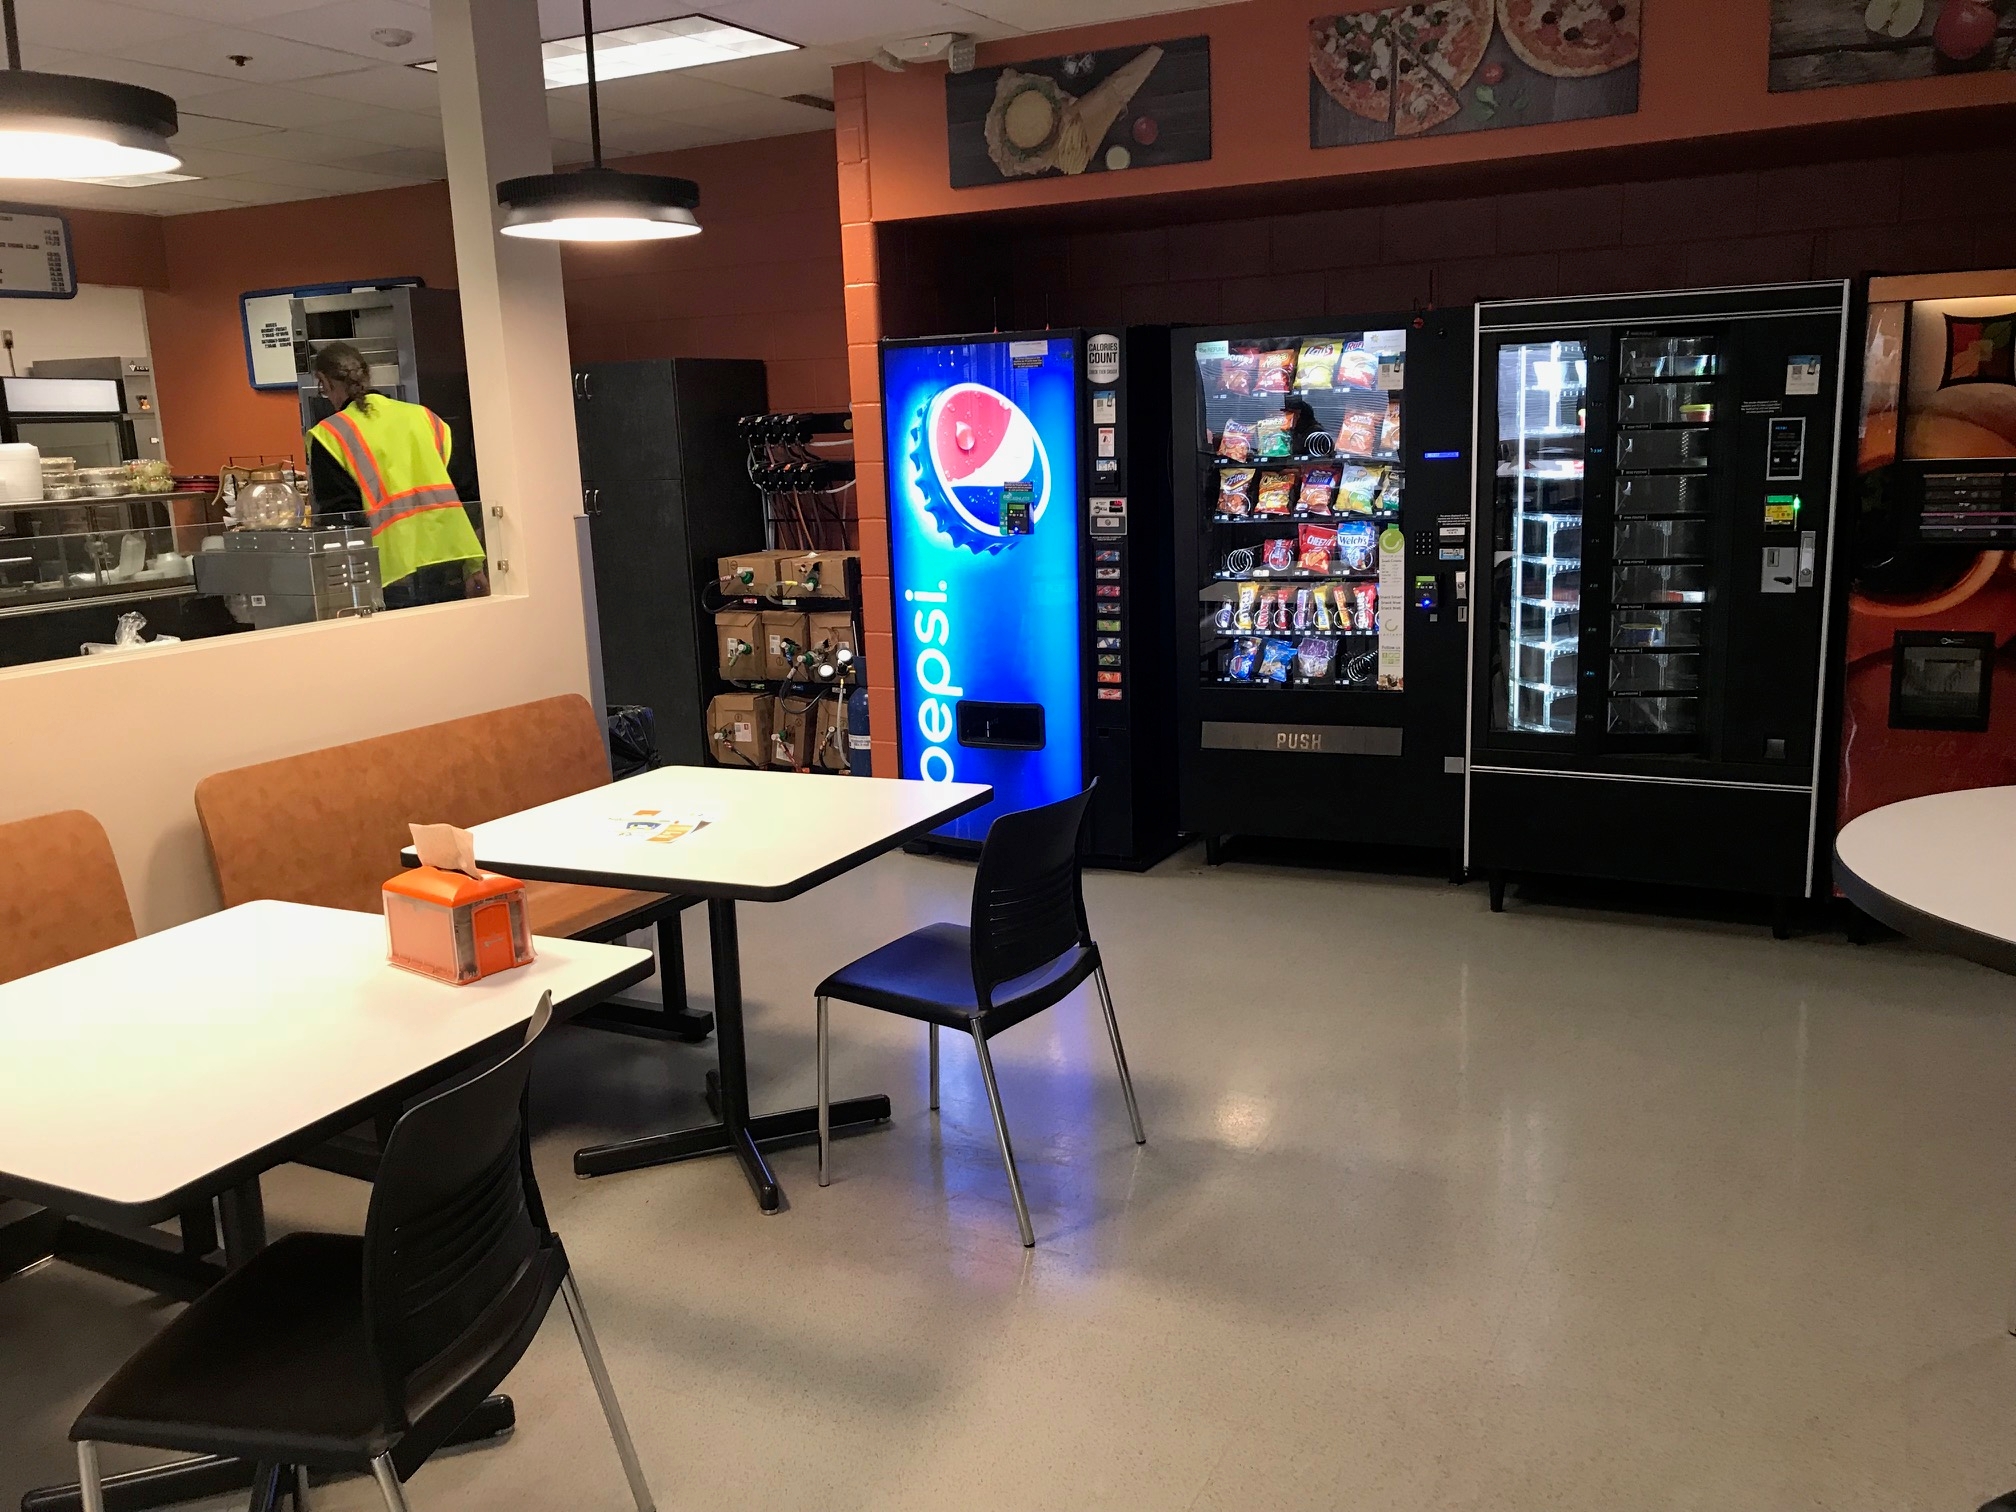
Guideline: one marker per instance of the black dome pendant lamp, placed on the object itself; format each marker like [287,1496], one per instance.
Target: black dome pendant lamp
[64,126]
[597,204]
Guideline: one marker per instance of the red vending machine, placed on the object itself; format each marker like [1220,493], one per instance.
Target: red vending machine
[1930,687]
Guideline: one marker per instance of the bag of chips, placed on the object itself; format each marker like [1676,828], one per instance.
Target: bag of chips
[1235,372]
[1319,490]
[1235,442]
[1274,436]
[1276,657]
[1315,657]
[1316,548]
[1317,367]
[1358,490]
[1358,433]
[1233,486]
[1277,493]
[1276,373]
[1357,547]
[1389,429]
[1240,664]
[1279,553]
[1357,368]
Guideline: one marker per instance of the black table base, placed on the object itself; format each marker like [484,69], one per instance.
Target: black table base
[728,1094]
[151,1261]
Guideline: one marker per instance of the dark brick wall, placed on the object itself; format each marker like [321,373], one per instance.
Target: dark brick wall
[1931,212]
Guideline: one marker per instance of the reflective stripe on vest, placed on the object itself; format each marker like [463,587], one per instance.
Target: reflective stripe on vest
[397,453]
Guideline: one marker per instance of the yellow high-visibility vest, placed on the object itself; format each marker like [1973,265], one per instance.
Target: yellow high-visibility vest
[398,453]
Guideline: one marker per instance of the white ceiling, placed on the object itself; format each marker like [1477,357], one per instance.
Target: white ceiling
[319,108]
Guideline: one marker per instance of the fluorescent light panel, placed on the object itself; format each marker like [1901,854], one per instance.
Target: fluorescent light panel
[659,47]
[139,180]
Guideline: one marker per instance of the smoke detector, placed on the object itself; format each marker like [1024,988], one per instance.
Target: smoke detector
[391,36]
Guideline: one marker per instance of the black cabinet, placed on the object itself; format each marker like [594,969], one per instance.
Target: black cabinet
[666,493]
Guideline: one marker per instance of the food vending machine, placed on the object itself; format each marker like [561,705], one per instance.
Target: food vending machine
[1028,540]
[1321,571]
[1930,697]
[1654,531]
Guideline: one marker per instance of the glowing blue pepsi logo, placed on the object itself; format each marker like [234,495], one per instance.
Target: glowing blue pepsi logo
[983,611]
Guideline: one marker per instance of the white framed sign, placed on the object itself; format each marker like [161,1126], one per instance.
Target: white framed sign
[36,260]
[268,315]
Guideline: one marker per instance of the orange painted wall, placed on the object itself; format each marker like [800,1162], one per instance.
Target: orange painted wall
[1704,74]
[763,281]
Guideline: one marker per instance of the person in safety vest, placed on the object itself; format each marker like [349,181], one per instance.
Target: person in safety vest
[388,461]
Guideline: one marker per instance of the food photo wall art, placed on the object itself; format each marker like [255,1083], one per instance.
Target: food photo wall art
[1089,112]
[1822,44]
[1470,65]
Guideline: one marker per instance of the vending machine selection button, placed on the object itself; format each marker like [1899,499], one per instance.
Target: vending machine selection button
[1111,695]
[1109,677]
[1109,626]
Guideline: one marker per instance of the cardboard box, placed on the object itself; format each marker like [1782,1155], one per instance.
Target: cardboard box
[783,642]
[793,735]
[738,729]
[738,641]
[830,631]
[814,574]
[751,571]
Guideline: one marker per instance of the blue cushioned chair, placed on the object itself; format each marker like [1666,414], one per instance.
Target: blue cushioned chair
[1027,947]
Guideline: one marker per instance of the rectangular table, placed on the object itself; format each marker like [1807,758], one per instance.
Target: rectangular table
[151,1077]
[768,836]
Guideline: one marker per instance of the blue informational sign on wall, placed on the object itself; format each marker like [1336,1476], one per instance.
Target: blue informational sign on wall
[984,528]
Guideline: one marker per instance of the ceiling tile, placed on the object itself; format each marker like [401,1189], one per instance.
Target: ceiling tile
[347,26]
[178,83]
[757,116]
[400,162]
[655,94]
[87,24]
[389,86]
[562,18]
[223,162]
[202,130]
[305,147]
[394,128]
[269,105]
[1055,15]
[320,176]
[809,71]
[824,23]
[220,12]
[269,59]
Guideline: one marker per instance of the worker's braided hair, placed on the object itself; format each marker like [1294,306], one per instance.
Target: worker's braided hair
[342,363]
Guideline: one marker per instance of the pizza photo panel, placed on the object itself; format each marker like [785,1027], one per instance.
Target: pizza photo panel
[1443,66]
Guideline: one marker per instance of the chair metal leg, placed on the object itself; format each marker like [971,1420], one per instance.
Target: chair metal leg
[1119,1055]
[1001,1132]
[934,1068]
[90,1483]
[388,1483]
[825,1103]
[605,1389]
[300,1488]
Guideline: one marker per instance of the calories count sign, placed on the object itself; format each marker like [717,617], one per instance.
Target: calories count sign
[35,256]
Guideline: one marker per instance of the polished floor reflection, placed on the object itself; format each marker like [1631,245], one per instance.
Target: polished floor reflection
[1439,1210]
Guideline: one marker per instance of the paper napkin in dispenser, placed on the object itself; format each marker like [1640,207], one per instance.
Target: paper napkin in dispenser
[448,919]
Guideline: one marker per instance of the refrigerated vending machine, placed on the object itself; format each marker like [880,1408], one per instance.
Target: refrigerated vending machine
[1654,525]
[1930,698]
[1322,562]
[1028,542]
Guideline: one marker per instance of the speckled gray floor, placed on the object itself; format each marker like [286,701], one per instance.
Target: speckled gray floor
[1439,1210]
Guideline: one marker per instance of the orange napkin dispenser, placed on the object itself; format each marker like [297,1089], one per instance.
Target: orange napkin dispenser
[455,927]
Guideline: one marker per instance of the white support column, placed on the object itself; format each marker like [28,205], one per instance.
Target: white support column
[514,317]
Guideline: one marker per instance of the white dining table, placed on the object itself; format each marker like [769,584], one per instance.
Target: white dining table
[155,1076]
[728,835]
[1941,869]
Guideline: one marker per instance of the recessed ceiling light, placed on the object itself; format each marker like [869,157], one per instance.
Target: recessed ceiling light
[138,180]
[659,47]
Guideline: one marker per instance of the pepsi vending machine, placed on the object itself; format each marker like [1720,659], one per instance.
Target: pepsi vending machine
[1029,526]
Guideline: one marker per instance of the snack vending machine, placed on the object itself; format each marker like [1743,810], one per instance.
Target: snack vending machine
[1655,525]
[1028,540]
[1321,569]
[1930,698]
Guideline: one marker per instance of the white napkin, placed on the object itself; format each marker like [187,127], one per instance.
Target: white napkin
[445,847]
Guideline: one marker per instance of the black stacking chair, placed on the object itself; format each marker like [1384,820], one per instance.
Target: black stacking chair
[334,1352]
[1027,947]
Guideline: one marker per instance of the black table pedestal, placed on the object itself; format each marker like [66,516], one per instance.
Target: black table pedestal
[728,1094]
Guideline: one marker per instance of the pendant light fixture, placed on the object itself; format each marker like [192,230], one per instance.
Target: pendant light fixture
[596,204]
[63,126]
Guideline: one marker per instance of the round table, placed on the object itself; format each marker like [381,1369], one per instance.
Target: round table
[1941,869]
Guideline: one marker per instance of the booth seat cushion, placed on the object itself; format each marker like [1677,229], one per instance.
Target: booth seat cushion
[327,826]
[60,893]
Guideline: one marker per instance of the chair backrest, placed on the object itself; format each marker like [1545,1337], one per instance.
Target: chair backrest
[60,893]
[459,1263]
[327,826]
[1028,897]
